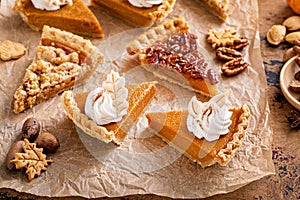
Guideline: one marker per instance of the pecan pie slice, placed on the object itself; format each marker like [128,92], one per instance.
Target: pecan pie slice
[62,60]
[172,128]
[172,53]
[139,95]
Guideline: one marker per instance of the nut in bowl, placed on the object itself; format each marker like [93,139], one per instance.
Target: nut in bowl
[287,75]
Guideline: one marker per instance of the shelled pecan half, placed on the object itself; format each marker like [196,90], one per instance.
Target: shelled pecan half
[241,44]
[226,54]
[235,66]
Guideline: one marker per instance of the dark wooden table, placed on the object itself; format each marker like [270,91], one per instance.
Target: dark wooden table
[285,184]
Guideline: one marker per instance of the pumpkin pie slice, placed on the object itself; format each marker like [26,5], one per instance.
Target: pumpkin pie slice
[76,18]
[172,127]
[139,95]
[62,60]
[137,16]
[171,52]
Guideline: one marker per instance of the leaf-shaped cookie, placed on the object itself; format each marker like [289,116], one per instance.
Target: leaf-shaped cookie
[11,50]
[222,38]
[33,160]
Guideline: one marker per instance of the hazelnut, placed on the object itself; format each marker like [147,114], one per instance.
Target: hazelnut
[17,147]
[31,129]
[48,142]
[297,60]
[288,54]
[297,76]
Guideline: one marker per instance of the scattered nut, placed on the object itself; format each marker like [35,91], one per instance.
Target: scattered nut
[297,60]
[17,147]
[295,86]
[292,23]
[294,119]
[288,54]
[291,37]
[31,129]
[297,42]
[276,34]
[234,67]
[240,45]
[296,48]
[11,50]
[225,53]
[297,76]
[48,142]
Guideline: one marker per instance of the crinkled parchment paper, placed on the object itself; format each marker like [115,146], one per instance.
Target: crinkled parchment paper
[143,164]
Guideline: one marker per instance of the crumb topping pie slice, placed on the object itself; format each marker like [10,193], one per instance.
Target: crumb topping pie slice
[107,113]
[141,13]
[171,52]
[62,60]
[207,133]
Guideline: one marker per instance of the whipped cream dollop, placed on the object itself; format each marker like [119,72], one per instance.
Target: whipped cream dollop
[144,3]
[50,4]
[209,119]
[108,103]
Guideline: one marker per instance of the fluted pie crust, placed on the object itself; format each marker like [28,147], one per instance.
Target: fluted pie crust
[78,18]
[171,127]
[161,33]
[140,17]
[139,95]
[62,60]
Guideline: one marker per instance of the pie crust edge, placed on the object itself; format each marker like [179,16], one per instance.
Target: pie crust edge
[228,152]
[82,121]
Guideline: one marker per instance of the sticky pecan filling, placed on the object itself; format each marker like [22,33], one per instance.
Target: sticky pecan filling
[181,53]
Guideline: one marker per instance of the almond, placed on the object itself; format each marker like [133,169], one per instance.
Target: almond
[292,37]
[292,23]
[276,34]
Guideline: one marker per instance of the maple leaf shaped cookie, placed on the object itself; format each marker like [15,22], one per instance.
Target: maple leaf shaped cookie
[222,38]
[33,160]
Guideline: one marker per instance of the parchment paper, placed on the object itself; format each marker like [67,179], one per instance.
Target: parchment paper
[143,164]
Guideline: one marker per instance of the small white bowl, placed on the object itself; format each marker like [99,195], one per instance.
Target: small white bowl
[287,73]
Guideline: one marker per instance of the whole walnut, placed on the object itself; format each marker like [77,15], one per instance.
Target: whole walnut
[31,129]
[48,142]
[17,147]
